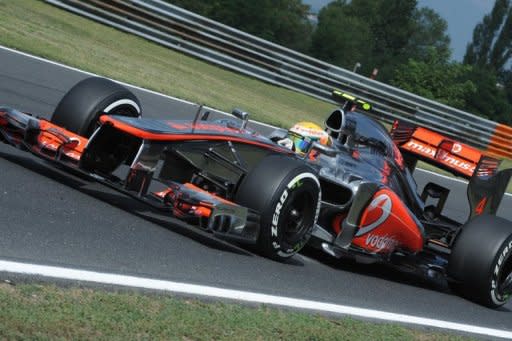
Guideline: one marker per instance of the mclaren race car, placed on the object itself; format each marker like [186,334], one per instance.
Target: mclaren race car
[371,209]
[222,178]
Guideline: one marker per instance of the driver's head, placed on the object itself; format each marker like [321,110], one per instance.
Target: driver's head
[303,134]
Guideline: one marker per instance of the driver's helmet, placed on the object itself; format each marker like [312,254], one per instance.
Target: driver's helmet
[303,134]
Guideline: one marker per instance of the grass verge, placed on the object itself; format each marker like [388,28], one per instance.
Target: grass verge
[46,312]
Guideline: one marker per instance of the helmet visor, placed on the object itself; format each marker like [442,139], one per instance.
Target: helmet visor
[301,143]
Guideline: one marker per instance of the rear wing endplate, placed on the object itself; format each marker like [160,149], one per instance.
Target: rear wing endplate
[487,187]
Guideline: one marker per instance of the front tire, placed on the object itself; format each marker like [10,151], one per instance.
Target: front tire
[480,265]
[286,193]
[79,110]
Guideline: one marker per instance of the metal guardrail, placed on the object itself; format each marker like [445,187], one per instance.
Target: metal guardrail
[214,42]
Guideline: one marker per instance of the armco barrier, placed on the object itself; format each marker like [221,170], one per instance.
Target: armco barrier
[214,42]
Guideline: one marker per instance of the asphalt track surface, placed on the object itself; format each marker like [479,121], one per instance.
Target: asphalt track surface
[50,218]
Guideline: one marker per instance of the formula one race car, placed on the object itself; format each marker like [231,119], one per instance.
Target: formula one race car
[225,179]
[371,211]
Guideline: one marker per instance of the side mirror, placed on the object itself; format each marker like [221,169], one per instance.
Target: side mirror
[278,134]
[204,116]
[242,115]
[323,149]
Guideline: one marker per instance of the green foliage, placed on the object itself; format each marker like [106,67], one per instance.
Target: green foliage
[492,38]
[339,38]
[507,84]
[436,79]
[375,33]
[408,45]
[490,52]
[429,32]
[379,34]
[491,99]
[281,21]
[392,26]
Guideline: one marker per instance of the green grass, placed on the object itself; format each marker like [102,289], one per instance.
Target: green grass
[43,30]
[47,312]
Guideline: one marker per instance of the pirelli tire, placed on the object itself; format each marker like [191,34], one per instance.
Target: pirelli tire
[286,192]
[79,110]
[480,265]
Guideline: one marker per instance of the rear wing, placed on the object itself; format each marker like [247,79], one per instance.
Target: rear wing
[418,143]
[486,187]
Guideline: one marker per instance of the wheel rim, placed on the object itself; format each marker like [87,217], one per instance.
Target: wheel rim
[504,288]
[297,216]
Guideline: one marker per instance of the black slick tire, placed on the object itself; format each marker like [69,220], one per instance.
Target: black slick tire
[78,111]
[481,261]
[286,193]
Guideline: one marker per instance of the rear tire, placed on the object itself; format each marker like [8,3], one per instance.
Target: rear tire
[79,110]
[481,261]
[286,193]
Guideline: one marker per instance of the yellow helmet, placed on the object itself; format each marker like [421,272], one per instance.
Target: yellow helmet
[303,134]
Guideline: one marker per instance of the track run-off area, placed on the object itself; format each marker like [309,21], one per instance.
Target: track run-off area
[59,227]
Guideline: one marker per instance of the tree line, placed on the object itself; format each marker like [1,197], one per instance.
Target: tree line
[408,45]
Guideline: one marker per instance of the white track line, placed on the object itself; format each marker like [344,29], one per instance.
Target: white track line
[200,290]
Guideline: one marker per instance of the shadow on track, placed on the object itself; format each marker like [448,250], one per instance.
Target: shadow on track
[387,273]
[121,201]
[110,196]
[384,272]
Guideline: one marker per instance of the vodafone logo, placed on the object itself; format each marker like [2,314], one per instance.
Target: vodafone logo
[381,242]
[457,148]
[383,203]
